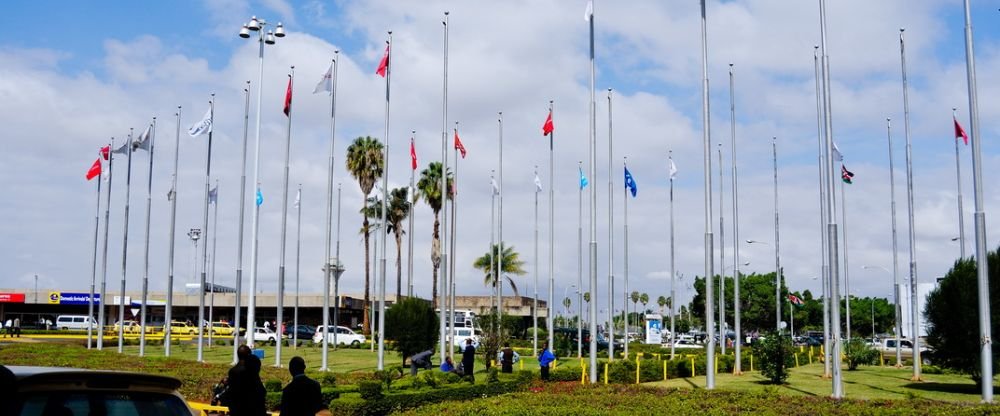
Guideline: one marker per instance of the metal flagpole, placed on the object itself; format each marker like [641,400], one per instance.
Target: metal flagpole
[239,233]
[579,261]
[385,202]
[738,365]
[611,248]
[673,280]
[280,324]
[443,236]
[145,264]
[986,358]
[552,244]
[298,262]
[172,196]
[121,300]
[825,267]
[914,301]
[831,235]
[895,257]
[104,256]
[722,259]
[847,280]
[709,249]
[777,234]
[500,224]
[204,247]
[958,186]
[339,268]
[493,216]
[327,271]
[534,308]
[625,254]
[593,205]
[93,275]
[215,230]
[409,231]
[451,244]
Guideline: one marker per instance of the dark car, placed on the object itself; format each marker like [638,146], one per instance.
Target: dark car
[302,332]
[66,391]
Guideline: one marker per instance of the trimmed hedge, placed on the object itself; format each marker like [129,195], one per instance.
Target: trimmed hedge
[384,403]
[273,399]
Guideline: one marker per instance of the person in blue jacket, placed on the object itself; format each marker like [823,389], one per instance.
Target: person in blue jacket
[545,359]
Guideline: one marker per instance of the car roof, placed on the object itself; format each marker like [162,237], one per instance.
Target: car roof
[29,377]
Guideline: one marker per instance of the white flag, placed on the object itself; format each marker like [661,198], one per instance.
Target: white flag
[203,126]
[538,184]
[298,198]
[143,142]
[213,195]
[123,150]
[325,84]
[496,189]
[589,12]
[673,169]
[171,194]
[836,153]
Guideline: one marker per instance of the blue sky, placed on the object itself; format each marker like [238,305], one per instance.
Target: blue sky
[78,73]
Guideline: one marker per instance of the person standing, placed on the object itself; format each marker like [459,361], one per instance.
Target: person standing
[17,327]
[302,395]
[469,359]
[507,358]
[246,392]
[545,360]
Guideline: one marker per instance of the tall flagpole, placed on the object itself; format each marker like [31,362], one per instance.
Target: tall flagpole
[895,257]
[534,308]
[385,202]
[738,365]
[986,357]
[409,230]
[847,280]
[958,186]
[336,273]
[121,300]
[500,223]
[298,262]
[722,258]
[552,245]
[443,236]
[709,249]
[327,270]
[831,234]
[579,261]
[823,171]
[914,300]
[593,206]
[172,196]
[493,216]
[145,262]
[673,280]
[451,244]
[104,256]
[204,247]
[279,325]
[93,275]
[215,231]
[625,253]
[611,248]
[239,233]
[777,234]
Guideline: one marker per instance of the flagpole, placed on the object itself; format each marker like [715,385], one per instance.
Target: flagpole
[986,358]
[104,257]
[625,254]
[239,239]
[145,263]
[298,262]
[534,308]
[895,257]
[958,186]
[611,247]
[823,171]
[451,244]
[409,254]
[777,234]
[215,230]
[172,196]
[443,243]
[738,365]
[709,249]
[493,216]
[327,271]
[284,224]
[593,207]
[914,301]
[722,258]
[673,280]
[500,224]
[204,247]
[579,262]
[552,244]
[385,201]
[847,280]
[93,275]
[831,235]
[336,273]
[121,305]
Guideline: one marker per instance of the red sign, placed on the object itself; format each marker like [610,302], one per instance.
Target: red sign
[11,297]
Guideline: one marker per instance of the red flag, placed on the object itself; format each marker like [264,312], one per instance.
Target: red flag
[383,65]
[413,155]
[104,152]
[458,144]
[548,127]
[960,132]
[95,169]
[288,97]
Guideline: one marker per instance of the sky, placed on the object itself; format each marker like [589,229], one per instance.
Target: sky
[67,89]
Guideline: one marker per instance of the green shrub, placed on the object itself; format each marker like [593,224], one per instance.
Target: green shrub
[858,352]
[388,375]
[329,394]
[272,385]
[272,400]
[525,376]
[409,399]
[492,375]
[347,405]
[775,353]
[327,379]
[370,390]
[430,379]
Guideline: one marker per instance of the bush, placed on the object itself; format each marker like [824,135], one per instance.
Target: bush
[327,379]
[388,375]
[370,390]
[776,354]
[409,399]
[492,375]
[272,385]
[412,326]
[858,352]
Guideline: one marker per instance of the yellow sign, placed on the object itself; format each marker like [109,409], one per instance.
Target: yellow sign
[53,297]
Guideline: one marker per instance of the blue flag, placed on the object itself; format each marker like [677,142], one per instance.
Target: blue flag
[260,197]
[630,182]
[583,179]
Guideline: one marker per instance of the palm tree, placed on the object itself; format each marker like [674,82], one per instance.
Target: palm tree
[566,303]
[644,299]
[396,212]
[429,187]
[662,301]
[510,261]
[366,165]
[634,296]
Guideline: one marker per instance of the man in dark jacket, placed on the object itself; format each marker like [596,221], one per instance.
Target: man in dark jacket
[420,360]
[245,395]
[302,395]
[469,359]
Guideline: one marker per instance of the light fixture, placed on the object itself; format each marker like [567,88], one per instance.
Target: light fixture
[279,30]
[269,39]
[245,32]
[254,25]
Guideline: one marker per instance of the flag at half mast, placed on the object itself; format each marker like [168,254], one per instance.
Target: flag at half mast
[630,182]
[960,132]
[458,144]
[846,175]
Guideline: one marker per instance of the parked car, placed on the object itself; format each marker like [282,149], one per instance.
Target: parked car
[181,328]
[265,335]
[302,332]
[75,322]
[67,391]
[345,336]
[888,349]
[222,328]
[458,337]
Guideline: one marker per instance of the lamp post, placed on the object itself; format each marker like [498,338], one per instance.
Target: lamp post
[195,235]
[257,25]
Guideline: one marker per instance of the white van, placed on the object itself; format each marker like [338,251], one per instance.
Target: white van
[461,334]
[75,322]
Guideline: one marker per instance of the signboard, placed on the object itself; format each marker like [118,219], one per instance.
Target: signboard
[653,327]
[72,298]
[11,297]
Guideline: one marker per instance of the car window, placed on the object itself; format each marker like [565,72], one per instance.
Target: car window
[80,320]
[102,403]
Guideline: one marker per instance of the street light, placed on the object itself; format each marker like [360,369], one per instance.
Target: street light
[257,25]
[195,234]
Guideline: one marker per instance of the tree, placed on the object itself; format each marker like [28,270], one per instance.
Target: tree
[412,324]
[566,304]
[511,264]
[396,212]
[644,299]
[953,317]
[661,301]
[366,165]
[430,190]
[776,355]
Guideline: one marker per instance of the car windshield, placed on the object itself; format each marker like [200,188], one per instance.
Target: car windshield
[110,403]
